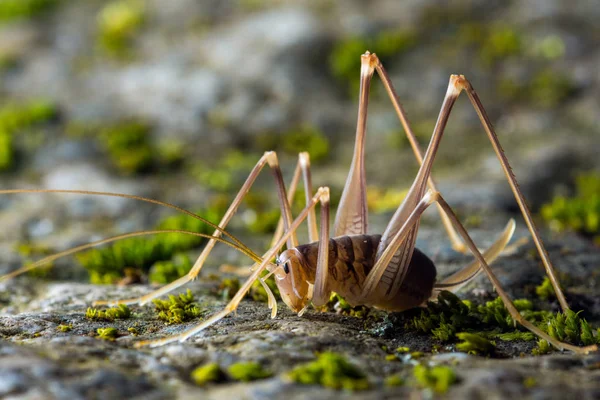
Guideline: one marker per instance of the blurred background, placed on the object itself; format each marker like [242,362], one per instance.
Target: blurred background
[177,101]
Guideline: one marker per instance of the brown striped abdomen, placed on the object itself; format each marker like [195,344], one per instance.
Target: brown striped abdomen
[351,258]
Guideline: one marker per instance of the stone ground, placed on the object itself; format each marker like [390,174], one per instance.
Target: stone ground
[39,361]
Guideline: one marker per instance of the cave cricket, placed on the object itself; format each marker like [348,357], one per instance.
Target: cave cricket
[384,271]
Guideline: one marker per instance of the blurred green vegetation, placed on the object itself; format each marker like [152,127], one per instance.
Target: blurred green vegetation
[11,10]
[118,22]
[439,378]
[109,264]
[330,370]
[580,213]
[296,140]
[344,62]
[16,118]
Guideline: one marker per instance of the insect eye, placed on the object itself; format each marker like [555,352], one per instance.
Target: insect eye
[286,268]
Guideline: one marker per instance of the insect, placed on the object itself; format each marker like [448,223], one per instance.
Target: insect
[384,271]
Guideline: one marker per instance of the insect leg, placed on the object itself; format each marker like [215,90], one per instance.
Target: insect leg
[457,244]
[465,275]
[351,217]
[302,169]
[268,158]
[464,84]
[322,196]
[514,313]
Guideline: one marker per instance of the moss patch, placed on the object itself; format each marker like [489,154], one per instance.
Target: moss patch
[580,213]
[208,373]
[330,370]
[438,378]
[109,333]
[118,23]
[119,312]
[11,10]
[248,371]
[177,309]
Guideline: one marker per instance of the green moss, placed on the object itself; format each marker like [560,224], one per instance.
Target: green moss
[394,381]
[330,370]
[306,138]
[438,378]
[344,61]
[11,10]
[542,348]
[247,371]
[228,288]
[208,373]
[65,328]
[118,23]
[516,335]
[228,173]
[569,327]
[167,271]
[129,146]
[474,344]
[14,119]
[545,290]
[499,43]
[109,333]
[177,309]
[581,212]
[119,312]
[107,265]
[384,200]
[133,331]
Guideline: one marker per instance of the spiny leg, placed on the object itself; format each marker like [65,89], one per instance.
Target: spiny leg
[322,196]
[269,158]
[514,313]
[463,84]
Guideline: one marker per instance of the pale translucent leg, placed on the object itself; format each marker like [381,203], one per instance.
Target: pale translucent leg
[322,196]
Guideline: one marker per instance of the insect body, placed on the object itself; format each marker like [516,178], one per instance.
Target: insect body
[384,271]
[351,258]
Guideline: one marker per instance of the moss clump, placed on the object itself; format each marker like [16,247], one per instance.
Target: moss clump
[384,200]
[394,381]
[330,370]
[228,288]
[177,309]
[119,312]
[542,348]
[65,328]
[107,265]
[545,290]
[247,371]
[438,378]
[118,23]
[581,212]
[344,61]
[208,373]
[570,327]
[228,173]
[167,271]
[133,331]
[474,344]
[15,118]
[11,10]
[109,333]
[129,147]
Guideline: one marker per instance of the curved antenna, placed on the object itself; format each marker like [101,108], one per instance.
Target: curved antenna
[133,197]
[73,250]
